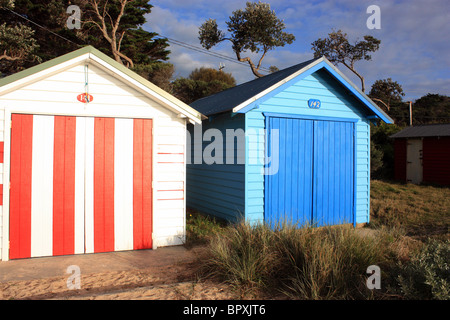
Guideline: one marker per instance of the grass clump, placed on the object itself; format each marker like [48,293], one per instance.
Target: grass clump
[329,262]
[306,263]
[243,256]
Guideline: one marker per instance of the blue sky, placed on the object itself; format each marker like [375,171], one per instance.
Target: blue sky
[414,50]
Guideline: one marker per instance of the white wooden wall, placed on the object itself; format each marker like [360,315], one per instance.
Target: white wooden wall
[57,94]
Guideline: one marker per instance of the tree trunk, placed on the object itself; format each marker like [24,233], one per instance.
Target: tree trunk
[255,69]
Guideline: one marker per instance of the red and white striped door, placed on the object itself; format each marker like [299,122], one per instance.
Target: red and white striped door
[79,185]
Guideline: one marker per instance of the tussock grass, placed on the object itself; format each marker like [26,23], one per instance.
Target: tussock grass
[331,262]
[306,263]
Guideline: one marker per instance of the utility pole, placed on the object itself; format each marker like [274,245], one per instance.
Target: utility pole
[410,113]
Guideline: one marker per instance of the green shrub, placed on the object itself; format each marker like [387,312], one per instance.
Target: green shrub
[200,228]
[427,275]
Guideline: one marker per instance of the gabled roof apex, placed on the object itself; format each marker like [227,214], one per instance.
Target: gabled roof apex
[239,98]
[89,54]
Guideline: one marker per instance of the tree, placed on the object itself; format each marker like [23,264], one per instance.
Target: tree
[386,91]
[337,49]
[211,75]
[256,28]
[157,72]
[382,150]
[431,108]
[55,39]
[17,46]
[201,83]
[119,22]
[51,16]
[7,4]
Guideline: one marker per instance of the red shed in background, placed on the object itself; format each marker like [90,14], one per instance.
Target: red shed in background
[422,154]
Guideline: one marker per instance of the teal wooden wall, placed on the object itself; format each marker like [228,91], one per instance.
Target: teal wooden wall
[216,189]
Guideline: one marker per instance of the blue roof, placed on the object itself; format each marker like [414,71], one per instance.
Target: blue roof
[229,99]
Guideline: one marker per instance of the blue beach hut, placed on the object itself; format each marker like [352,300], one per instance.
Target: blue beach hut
[291,146]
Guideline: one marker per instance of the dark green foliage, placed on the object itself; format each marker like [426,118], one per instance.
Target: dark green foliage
[138,45]
[431,108]
[385,92]
[339,50]
[49,14]
[427,275]
[159,73]
[382,150]
[142,47]
[201,83]
[256,28]
[17,48]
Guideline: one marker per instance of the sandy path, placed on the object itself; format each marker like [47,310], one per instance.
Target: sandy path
[175,281]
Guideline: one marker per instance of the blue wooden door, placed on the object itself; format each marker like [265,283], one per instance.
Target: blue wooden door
[314,181]
[333,173]
[288,194]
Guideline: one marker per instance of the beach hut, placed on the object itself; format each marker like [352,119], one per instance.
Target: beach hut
[422,154]
[292,146]
[93,159]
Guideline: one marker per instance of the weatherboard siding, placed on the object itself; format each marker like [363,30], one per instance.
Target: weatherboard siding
[217,188]
[57,94]
[292,98]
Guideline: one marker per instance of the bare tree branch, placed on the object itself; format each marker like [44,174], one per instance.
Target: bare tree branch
[5,56]
[111,35]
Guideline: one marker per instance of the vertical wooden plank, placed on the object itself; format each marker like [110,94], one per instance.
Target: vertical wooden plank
[296,163]
[104,184]
[2,148]
[80,179]
[282,173]
[276,176]
[20,193]
[42,186]
[123,190]
[89,186]
[142,184]
[64,186]
[289,209]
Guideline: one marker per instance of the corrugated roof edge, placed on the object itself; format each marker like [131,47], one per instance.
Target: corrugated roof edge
[429,130]
[191,112]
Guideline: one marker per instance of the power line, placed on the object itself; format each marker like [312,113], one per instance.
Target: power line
[170,40]
[42,27]
[211,53]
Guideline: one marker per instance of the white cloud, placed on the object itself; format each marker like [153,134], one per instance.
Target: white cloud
[414,37]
